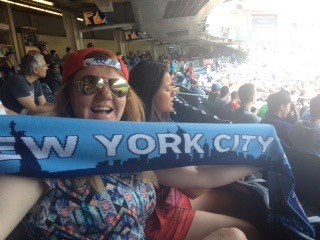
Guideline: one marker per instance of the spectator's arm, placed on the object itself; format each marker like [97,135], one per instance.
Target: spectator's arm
[12,63]
[17,196]
[6,111]
[194,193]
[29,104]
[41,100]
[203,176]
[9,64]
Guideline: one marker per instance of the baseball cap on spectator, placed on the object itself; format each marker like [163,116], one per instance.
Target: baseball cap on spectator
[90,44]
[77,61]
[52,51]
[216,87]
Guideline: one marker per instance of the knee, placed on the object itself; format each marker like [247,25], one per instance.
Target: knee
[232,233]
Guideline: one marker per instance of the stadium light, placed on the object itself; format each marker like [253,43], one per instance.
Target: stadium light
[44,2]
[36,8]
[32,7]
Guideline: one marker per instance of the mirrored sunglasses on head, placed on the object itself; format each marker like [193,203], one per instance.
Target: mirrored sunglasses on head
[90,85]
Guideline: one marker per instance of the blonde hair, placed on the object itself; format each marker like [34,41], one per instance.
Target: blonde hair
[133,112]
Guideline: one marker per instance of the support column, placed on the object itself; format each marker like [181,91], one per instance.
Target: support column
[117,35]
[166,51]
[126,53]
[13,33]
[70,26]
[154,51]
[182,50]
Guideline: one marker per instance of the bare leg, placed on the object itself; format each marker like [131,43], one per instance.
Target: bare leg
[226,233]
[204,224]
[219,201]
[226,203]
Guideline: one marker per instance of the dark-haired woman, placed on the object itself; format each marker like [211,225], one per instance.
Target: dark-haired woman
[175,218]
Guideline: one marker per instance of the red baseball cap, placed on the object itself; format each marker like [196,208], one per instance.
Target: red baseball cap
[76,61]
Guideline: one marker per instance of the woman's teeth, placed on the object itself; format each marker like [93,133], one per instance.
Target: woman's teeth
[102,109]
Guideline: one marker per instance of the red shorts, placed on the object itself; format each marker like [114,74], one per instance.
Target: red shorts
[172,222]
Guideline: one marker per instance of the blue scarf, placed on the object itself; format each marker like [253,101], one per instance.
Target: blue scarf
[48,147]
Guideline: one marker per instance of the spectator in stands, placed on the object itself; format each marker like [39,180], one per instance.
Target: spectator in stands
[1,78]
[293,114]
[53,77]
[303,110]
[219,106]
[215,91]
[174,65]
[279,105]
[152,83]
[263,110]
[135,59]
[98,90]
[213,95]
[43,47]
[306,114]
[83,96]
[305,135]
[191,74]
[119,55]
[146,80]
[68,52]
[10,66]
[90,45]
[22,92]
[209,70]
[54,54]
[244,114]
[198,101]
[235,101]
[224,97]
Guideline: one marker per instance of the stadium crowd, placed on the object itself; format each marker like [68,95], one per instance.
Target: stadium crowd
[237,92]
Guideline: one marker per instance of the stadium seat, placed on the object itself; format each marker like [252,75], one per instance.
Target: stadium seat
[305,168]
[189,114]
[48,94]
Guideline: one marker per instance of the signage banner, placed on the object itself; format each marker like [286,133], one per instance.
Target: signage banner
[264,20]
[47,147]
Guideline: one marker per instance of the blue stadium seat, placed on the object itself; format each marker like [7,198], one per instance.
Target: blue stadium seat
[305,168]
[48,94]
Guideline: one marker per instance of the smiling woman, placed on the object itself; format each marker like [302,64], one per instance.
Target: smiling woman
[57,206]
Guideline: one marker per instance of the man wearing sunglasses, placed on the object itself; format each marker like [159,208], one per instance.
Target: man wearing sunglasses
[22,92]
